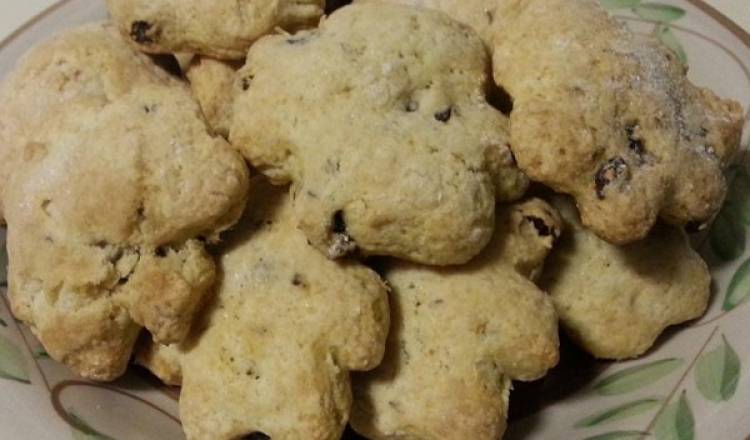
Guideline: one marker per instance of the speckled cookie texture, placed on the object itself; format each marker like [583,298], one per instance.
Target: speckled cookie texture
[223,29]
[609,117]
[272,353]
[212,83]
[110,186]
[379,119]
[615,301]
[480,15]
[459,335]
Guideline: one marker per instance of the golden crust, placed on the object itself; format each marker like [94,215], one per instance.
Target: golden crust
[459,335]
[615,301]
[110,179]
[386,135]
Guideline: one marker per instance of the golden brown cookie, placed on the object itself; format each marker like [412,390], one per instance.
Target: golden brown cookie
[272,353]
[615,301]
[458,336]
[610,117]
[380,120]
[110,187]
[212,83]
[223,29]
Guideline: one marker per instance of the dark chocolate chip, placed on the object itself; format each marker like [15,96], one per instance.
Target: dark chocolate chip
[161,251]
[634,143]
[257,435]
[297,280]
[540,226]
[332,5]
[139,32]
[411,106]
[704,132]
[246,82]
[613,170]
[445,115]
[339,225]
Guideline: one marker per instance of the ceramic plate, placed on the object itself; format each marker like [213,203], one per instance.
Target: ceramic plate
[695,384]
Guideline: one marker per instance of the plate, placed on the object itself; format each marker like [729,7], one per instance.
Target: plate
[695,384]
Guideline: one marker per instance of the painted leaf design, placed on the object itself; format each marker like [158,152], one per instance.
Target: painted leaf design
[12,362]
[84,431]
[727,236]
[739,288]
[676,422]
[618,435]
[718,372]
[633,378]
[659,12]
[620,4]
[738,196]
[619,412]
[666,36]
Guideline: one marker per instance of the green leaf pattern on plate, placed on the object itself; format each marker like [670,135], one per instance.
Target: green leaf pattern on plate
[619,412]
[717,372]
[667,37]
[633,378]
[728,236]
[618,435]
[84,431]
[659,12]
[739,288]
[620,4]
[676,422]
[12,362]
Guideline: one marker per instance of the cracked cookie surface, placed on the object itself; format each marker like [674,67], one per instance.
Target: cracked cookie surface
[610,118]
[459,335]
[223,29]
[272,353]
[380,120]
[110,187]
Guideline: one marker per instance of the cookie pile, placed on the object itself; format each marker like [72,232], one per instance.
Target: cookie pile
[325,213]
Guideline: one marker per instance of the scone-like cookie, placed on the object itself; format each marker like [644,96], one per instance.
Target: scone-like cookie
[610,117]
[479,14]
[379,119]
[615,301]
[272,354]
[110,181]
[222,29]
[212,83]
[459,335]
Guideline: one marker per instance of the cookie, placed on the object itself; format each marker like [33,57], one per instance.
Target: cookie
[379,119]
[212,84]
[272,353]
[615,301]
[459,335]
[111,187]
[222,29]
[480,15]
[610,118]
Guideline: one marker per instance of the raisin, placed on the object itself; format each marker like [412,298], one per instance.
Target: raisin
[339,225]
[257,435]
[139,32]
[246,82]
[634,143]
[445,115]
[541,227]
[613,170]
[297,280]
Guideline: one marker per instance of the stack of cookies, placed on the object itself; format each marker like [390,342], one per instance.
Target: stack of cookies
[331,214]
